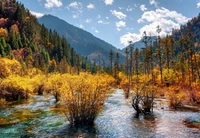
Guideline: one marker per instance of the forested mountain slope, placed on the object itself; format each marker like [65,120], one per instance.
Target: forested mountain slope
[82,41]
[23,38]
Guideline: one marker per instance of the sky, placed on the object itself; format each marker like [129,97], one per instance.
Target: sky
[119,21]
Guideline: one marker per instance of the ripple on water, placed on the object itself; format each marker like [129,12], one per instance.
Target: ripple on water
[117,119]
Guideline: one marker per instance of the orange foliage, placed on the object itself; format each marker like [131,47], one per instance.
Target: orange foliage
[14,29]
[21,53]
[27,18]
[51,46]
[3,33]
[3,21]
[195,57]
[196,44]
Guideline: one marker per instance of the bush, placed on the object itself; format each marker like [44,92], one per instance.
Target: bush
[169,77]
[8,67]
[84,96]
[16,87]
[11,93]
[3,102]
[143,96]
[176,95]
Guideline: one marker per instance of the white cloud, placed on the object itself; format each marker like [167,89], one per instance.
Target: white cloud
[99,16]
[75,16]
[76,8]
[109,2]
[102,22]
[37,14]
[165,24]
[153,2]
[125,39]
[88,20]
[75,5]
[151,16]
[143,8]
[53,3]
[119,15]
[118,29]
[129,9]
[136,5]
[120,24]
[166,19]
[107,17]
[91,6]
[80,26]
[198,5]
[96,31]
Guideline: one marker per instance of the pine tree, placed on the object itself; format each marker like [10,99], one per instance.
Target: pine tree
[111,54]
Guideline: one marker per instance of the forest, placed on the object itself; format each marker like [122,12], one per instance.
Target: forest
[38,66]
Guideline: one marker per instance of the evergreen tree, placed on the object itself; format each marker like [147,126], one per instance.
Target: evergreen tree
[111,54]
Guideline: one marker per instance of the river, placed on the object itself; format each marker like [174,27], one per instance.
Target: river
[38,117]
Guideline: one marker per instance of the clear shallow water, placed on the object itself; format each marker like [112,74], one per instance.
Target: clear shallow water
[38,118]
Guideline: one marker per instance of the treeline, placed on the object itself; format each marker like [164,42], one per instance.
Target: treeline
[178,53]
[168,66]
[23,38]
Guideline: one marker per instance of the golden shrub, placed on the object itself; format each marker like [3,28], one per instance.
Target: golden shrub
[8,67]
[82,94]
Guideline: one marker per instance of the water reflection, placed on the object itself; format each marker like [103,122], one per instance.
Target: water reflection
[71,131]
[40,118]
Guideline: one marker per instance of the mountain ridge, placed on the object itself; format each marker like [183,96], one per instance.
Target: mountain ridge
[81,40]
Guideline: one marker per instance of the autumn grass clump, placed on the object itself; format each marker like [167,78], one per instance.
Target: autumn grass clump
[84,97]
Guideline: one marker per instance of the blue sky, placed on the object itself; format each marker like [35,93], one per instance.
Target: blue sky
[118,21]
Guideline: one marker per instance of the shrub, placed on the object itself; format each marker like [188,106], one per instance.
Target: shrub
[16,87]
[169,76]
[8,67]
[176,95]
[84,96]
[143,96]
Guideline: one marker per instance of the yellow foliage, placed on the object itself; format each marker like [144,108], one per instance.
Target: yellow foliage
[8,67]
[169,77]
[51,46]
[16,81]
[27,18]
[176,96]
[3,102]
[57,81]
[84,96]
[3,33]
[84,91]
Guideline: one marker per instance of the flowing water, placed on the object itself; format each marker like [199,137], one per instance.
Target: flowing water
[38,117]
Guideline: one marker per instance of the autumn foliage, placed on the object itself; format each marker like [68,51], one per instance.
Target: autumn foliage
[9,67]
[82,95]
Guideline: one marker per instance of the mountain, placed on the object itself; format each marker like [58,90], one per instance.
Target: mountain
[82,41]
[139,44]
[22,37]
